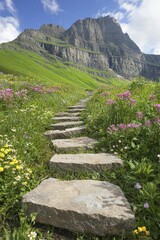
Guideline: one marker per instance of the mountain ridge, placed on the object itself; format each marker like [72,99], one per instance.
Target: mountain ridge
[92,43]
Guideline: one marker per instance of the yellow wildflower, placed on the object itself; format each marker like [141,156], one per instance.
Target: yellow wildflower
[1,169]
[144,229]
[147,233]
[19,167]
[2,155]
[6,146]
[24,183]
[140,229]
[12,163]
[2,149]
[6,151]
[135,231]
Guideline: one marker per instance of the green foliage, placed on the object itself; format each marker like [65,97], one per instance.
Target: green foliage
[26,108]
[127,123]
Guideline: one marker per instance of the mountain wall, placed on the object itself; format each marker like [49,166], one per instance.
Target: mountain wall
[92,43]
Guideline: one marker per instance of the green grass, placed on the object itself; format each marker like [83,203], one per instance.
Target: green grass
[30,64]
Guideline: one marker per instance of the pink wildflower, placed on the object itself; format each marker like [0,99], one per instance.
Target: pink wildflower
[105,94]
[125,95]
[139,115]
[157,106]
[133,102]
[148,123]
[110,102]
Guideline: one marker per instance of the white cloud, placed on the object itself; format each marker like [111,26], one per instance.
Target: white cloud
[140,19]
[9,25]
[104,13]
[10,6]
[8,29]
[51,6]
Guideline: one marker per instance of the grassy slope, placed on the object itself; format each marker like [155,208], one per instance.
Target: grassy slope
[31,64]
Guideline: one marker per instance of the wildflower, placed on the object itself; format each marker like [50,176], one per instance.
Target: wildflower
[32,235]
[144,229]
[2,155]
[18,178]
[139,115]
[24,183]
[1,169]
[157,106]
[19,167]
[146,205]
[135,231]
[158,155]
[140,229]
[125,147]
[148,122]
[137,186]
[125,95]
[110,102]
[147,233]
[13,130]
[105,94]
[133,102]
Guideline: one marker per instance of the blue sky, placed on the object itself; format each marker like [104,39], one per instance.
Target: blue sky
[139,18]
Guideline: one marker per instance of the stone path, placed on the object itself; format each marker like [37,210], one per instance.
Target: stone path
[84,162]
[85,206]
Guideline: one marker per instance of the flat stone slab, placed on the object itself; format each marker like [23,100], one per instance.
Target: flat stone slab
[84,162]
[70,132]
[66,119]
[74,144]
[84,206]
[64,125]
[77,107]
[66,114]
[75,110]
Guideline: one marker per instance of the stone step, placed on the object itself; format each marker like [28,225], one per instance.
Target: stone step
[66,119]
[74,144]
[85,206]
[66,114]
[65,125]
[75,110]
[77,107]
[70,132]
[91,162]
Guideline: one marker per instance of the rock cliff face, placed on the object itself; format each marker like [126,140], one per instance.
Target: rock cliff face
[93,43]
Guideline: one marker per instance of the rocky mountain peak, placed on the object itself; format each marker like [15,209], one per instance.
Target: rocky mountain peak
[96,34]
[92,43]
[52,30]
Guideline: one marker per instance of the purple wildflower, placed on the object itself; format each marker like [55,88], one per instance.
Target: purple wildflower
[157,106]
[146,205]
[125,95]
[105,94]
[133,102]
[148,123]
[110,102]
[139,115]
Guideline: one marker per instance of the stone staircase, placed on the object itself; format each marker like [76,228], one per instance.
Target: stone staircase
[84,206]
